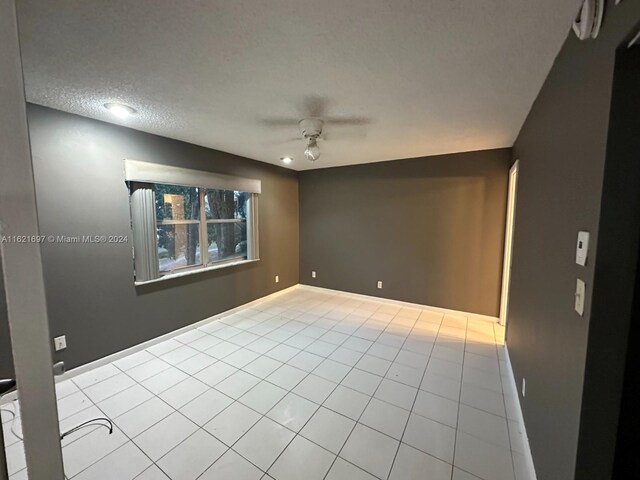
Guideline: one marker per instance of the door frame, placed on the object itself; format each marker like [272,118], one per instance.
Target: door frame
[512,195]
[22,266]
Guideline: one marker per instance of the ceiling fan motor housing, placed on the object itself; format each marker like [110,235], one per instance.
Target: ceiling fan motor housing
[311,127]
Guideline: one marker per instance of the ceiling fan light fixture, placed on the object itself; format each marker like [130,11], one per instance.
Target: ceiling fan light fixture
[312,151]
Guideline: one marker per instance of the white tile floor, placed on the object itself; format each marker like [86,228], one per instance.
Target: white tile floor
[305,385]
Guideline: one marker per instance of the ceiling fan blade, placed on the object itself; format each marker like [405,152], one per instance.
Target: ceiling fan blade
[344,134]
[313,106]
[280,122]
[355,121]
[285,141]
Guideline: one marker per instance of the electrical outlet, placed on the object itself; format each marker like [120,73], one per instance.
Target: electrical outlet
[313,274]
[60,343]
[524,387]
[277,278]
[379,283]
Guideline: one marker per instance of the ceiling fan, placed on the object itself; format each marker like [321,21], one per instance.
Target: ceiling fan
[313,111]
[311,129]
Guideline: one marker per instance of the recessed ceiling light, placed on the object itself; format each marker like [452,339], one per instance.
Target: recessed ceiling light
[286,160]
[120,110]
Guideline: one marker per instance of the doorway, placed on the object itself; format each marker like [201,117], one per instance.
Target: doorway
[508,242]
[612,377]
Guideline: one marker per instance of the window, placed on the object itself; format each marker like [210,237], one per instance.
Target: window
[226,214]
[184,227]
[180,228]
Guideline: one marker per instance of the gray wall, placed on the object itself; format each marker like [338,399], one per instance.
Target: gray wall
[562,150]
[432,229]
[90,291]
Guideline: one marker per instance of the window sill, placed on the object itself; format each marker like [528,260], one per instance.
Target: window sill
[196,271]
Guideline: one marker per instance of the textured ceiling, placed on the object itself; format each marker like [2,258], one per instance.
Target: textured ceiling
[410,77]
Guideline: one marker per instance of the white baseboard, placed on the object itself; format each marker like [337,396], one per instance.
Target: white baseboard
[529,465]
[476,316]
[142,346]
[167,336]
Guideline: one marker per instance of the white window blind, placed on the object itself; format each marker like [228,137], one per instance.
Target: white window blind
[143,224]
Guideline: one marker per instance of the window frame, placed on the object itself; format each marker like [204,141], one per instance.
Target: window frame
[205,264]
[203,222]
[141,178]
[182,222]
[204,232]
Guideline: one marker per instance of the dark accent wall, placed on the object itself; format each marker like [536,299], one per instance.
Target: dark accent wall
[78,165]
[613,328]
[562,149]
[432,229]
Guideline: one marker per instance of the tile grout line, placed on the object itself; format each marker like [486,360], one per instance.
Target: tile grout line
[94,404]
[357,421]
[118,447]
[174,411]
[372,396]
[416,397]
[289,391]
[455,438]
[505,417]
[296,434]
[351,367]
[80,389]
[229,447]
[234,400]
[363,320]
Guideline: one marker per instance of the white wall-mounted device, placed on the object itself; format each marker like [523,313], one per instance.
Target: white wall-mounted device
[580,294]
[582,248]
[589,19]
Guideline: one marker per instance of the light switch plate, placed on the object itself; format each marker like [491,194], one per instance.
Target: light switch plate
[582,248]
[313,274]
[580,293]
